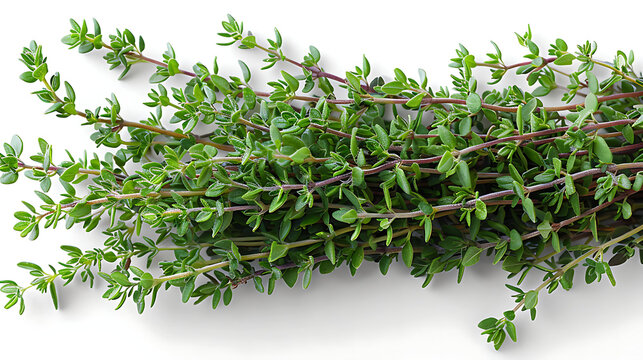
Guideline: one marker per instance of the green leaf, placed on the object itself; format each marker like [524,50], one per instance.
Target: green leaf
[515,174]
[147,281]
[528,206]
[258,284]
[329,250]
[203,216]
[488,323]
[463,174]
[628,133]
[221,83]
[40,72]
[173,67]
[426,208]
[353,81]
[407,254]
[249,41]
[446,162]
[474,103]
[120,278]
[544,228]
[277,202]
[382,137]
[446,136]
[80,210]
[361,158]
[416,100]
[393,88]
[402,181]
[511,330]
[277,251]
[565,59]
[499,338]
[85,47]
[357,257]
[591,103]
[366,66]
[428,228]
[592,82]
[293,83]
[569,185]
[526,112]
[610,275]
[16,145]
[345,215]
[353,146]
[516,240]
[45,198]
[245,71]
[158,78]
[464,126]
[227,296]
[531,299]
[54,294]
[29,266]
[481,209]
[512,264]
[638,182]
[308,275]
[471,256]
[290,277]
[624,182]
[555,241]
[70,108]
[9,178]
[533,48]
[470,61]
[27,76]
[301,155]
[352,198]
[399,75]
[509,315]
[216,297]
[520,120]
[602,150]
[187,290]
[626,210]
[275,135]
[384,264]
[358,176]
[70,173]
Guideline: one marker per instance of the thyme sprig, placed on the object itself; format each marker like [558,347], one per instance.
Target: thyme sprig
[310,180]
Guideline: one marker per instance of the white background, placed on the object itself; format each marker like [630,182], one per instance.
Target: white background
[339,316]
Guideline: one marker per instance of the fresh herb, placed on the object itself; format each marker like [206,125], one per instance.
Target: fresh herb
[301,178]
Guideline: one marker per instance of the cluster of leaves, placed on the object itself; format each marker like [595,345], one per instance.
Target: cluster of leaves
[285,183]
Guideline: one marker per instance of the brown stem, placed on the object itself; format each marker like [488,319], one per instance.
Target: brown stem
[316,71]
[606,135]
[508,67]
[616,150]
[518,138]
[126,197]
[498,194]
[57,168]
[561,224]
[425,101]
[177,135]
[226,209]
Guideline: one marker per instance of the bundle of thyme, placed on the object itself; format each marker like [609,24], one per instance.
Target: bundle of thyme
[324,170]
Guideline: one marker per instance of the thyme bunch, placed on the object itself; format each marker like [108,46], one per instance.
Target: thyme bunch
[316,170]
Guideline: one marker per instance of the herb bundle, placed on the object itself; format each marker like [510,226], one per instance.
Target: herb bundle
[324,170]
